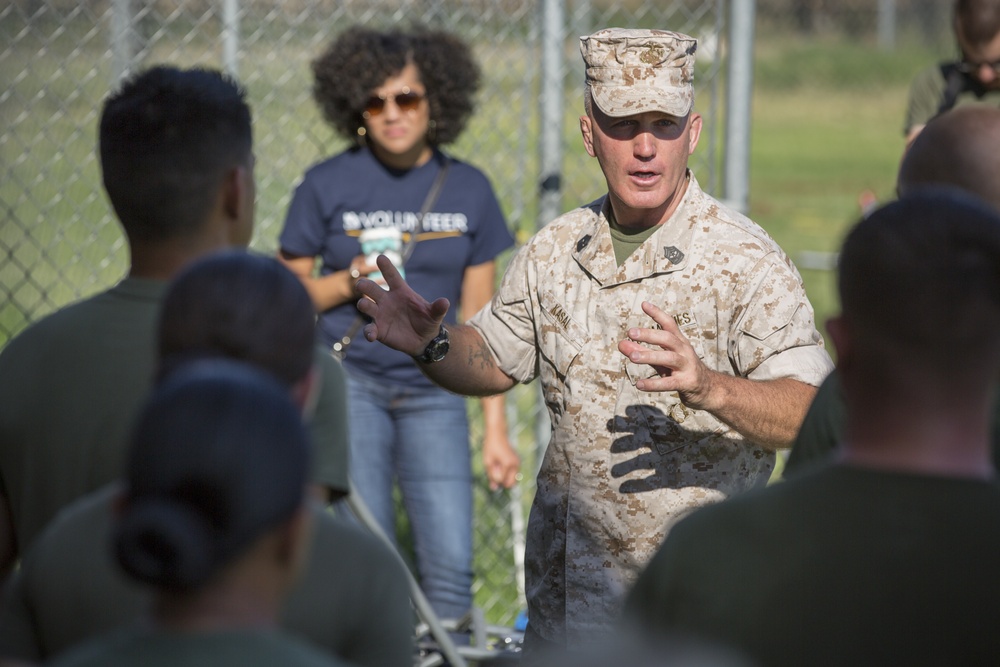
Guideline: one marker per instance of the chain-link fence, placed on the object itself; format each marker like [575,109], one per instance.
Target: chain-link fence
[59,58]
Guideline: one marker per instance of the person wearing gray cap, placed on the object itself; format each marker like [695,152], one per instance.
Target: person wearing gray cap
[655,409]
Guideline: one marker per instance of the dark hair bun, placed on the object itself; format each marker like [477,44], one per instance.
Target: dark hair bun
[164,543]
[219,457]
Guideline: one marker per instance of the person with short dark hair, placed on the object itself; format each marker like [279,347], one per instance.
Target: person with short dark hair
[176,157]
[352,598]
[241,306]
[172,144]
[888,555]
[399,96]
[213,519]
[972,80]
[960,148]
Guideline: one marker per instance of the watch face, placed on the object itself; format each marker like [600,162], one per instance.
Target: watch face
[437,348]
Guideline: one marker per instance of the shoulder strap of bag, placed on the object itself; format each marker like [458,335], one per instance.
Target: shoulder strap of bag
[955,83]
[339,349]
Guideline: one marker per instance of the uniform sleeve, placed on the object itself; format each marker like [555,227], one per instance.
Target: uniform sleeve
[328,425]
[492,235]
[776,334]
[18,635]
[508,323]
[926,93]
[821,430]
[304,231]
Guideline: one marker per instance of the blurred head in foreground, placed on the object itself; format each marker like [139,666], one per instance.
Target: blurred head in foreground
[215,483]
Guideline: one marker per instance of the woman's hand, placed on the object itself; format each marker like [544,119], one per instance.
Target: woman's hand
[359,268]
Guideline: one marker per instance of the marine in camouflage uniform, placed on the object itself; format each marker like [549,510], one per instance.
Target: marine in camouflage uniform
[623,463]
[630,450]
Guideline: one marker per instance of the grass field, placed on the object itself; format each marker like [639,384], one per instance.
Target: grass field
[812,156]
[827,124]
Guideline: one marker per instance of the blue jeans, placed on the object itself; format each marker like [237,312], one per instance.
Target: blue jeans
[419,438]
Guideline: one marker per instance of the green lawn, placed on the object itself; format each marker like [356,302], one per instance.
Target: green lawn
[813,153]
[827,125]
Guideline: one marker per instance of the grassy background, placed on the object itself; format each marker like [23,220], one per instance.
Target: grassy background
[827,125]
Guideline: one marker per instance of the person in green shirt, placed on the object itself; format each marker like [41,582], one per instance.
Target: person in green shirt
[888,555]
[352,598]
[214,517]
[177,162]
[972,80]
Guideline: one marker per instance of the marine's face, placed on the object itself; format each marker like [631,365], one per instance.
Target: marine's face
[398,129]
[644,159]
[981,61]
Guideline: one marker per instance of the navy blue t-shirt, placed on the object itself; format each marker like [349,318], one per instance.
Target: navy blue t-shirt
[353,191]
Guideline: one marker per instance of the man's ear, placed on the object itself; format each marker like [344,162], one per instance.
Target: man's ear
[587,130]
[839,331]
[233,192]
[694,132]
[237,202]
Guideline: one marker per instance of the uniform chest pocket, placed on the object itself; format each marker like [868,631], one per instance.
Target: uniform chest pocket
[562,338]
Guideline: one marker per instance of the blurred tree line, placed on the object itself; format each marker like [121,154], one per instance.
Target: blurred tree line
[929,19]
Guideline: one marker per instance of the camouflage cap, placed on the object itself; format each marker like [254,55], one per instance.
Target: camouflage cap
[632,71]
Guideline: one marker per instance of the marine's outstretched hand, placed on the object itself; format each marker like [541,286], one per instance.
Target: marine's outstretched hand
[400,318]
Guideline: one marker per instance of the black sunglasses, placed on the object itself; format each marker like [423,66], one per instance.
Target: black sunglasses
[971,68]
[407,100]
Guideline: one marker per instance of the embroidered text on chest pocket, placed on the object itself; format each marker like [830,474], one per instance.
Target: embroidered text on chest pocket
[562,338]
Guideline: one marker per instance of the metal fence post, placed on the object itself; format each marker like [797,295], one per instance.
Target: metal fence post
[550,140]
[123,41]
[886,25]
[231,36]
[739,93]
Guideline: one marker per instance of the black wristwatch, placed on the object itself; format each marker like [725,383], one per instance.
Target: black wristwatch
[436,349]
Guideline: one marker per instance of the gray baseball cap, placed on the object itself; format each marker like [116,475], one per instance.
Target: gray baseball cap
[633,71]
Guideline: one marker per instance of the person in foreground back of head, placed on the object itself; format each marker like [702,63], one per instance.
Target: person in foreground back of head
[213,518]
[352,599]
[960,148]
[888,555]
[176,157]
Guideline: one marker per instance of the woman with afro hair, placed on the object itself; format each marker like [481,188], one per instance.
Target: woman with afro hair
[399,96]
